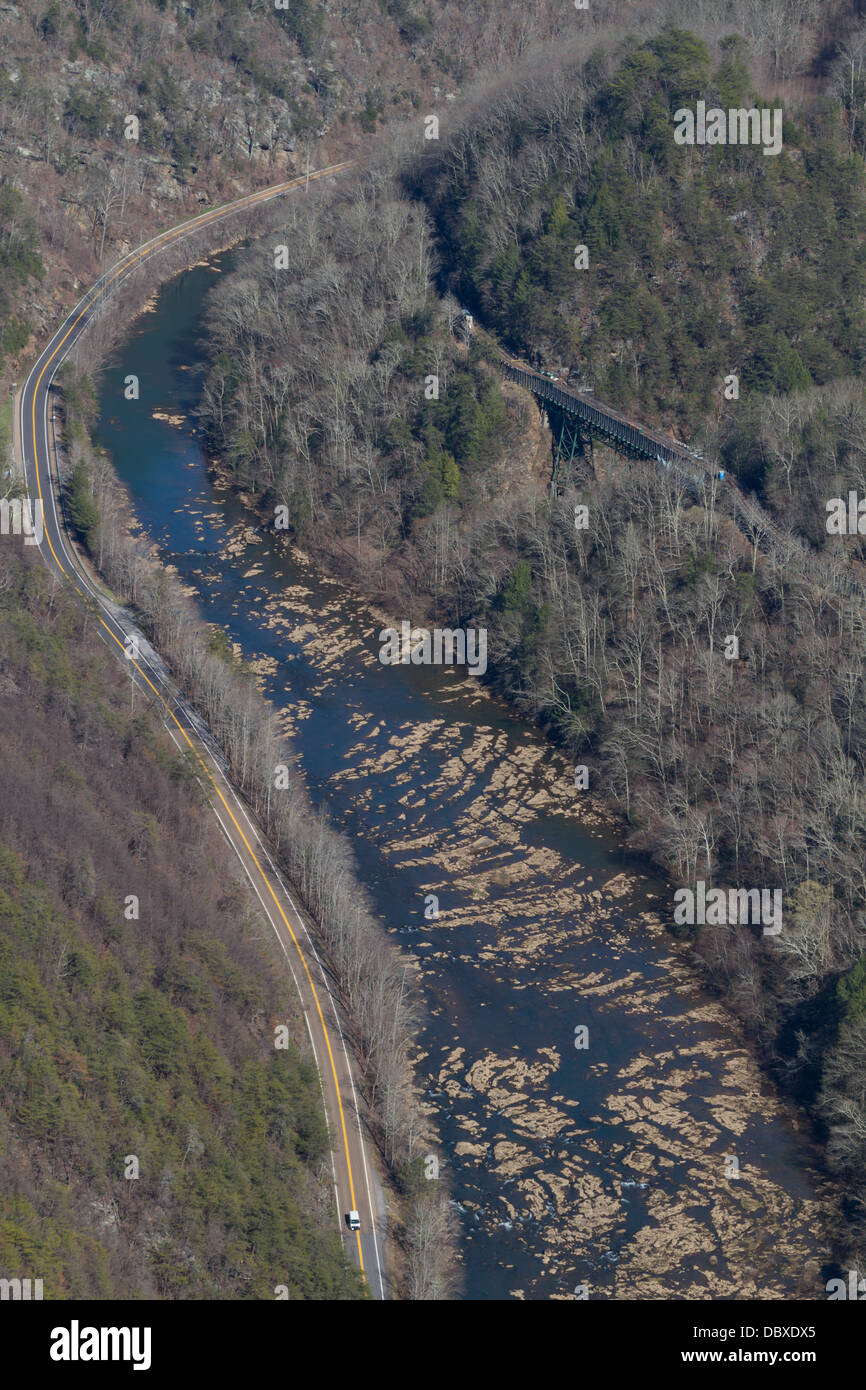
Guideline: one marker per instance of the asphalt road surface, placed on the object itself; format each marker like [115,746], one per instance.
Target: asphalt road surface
[356,1186]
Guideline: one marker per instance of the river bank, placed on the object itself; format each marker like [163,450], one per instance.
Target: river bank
[605,1167]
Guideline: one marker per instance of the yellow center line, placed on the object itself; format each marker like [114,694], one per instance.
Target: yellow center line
[139,257]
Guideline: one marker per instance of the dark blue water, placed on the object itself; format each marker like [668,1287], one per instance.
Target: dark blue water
[602,1166]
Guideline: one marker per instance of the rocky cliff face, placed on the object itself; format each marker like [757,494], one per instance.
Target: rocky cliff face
[117,119]
[228,95]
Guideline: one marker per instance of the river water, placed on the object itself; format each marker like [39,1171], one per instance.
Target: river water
[651,1163]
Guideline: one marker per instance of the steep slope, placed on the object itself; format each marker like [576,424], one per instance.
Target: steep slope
[735,763]
[118,118]
[153,1141]
[700,261]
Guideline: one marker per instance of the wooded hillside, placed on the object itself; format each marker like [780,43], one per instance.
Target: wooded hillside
[736,772]
[148,1037]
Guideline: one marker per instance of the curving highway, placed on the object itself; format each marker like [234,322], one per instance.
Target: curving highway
[356,1187]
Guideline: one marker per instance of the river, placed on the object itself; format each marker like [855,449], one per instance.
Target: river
[653,1163]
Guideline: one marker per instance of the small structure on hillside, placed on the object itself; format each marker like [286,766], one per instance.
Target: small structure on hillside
[465,325]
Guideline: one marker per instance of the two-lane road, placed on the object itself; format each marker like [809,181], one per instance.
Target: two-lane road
[356,1187]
